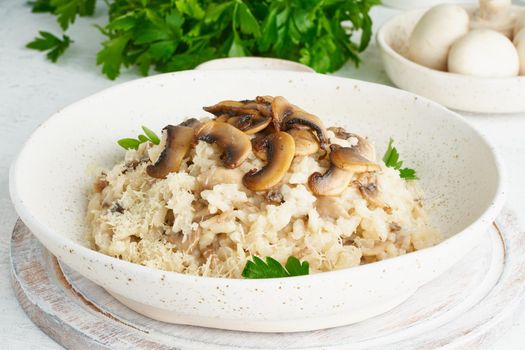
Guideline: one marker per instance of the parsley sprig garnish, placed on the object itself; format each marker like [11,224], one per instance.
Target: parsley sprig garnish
[130,143]
[391,159]
[273,269]
[51,43]
[170,35]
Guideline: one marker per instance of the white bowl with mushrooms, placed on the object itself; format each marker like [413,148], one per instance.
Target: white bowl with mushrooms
[465,57]
[458,170]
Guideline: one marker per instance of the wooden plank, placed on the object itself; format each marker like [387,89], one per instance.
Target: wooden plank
[469,305]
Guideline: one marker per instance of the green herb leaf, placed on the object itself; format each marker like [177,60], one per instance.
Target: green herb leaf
[391,159]
[130,143]
[111,57]
[258,268]
[296,268]
[52,44]
[151,135]
[40,6]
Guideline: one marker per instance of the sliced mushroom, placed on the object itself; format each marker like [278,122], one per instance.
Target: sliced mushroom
[305,142]
[280,150]
[340,132]
[235,144]
[258,146]
[274,196]
[249,123]
[288,116]
[369,189]
[331,183]
[262,106]
[348,158]
[344,163]
[191,123]
[178,141]
[363,147]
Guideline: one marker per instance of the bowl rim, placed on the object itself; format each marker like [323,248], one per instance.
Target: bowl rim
[225,63]
[488,215]
[387,28]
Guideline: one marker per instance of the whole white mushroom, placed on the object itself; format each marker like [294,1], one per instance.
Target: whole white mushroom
[495,15]
[519,24]
[519,42]
[435,33]
[484,53]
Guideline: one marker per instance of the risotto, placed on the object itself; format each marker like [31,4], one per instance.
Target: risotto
[260,178]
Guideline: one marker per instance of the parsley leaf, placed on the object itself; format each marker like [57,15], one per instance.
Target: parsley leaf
[40,6]
[51,43]
[130,143]
[391,159]
[169,35]
[258,268]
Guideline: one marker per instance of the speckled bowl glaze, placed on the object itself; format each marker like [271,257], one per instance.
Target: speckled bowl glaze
[457,91]
[235,63]
[459,171]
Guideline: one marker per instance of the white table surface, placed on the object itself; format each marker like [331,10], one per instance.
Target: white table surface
[31,89]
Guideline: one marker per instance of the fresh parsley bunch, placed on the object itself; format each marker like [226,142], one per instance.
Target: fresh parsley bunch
[170,35]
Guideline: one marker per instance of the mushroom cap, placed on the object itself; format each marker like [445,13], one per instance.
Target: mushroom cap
[250,123]
[519,41]
[348,158]
[262,106]
[178,141]
[280,150]
[235,144]
[495,15]
[363,147]
[484,53]
[434,34]
[332,183]
[288,116]
[305,142]
[369,188]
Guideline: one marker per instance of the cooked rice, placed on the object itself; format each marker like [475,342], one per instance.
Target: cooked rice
[203,221]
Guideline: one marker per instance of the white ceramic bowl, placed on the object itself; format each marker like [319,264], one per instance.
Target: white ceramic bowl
[418,4]
[461,92]
[458,169]
[235,63]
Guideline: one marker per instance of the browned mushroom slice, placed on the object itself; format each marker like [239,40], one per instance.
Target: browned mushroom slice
[305,142]
[258,146]
[223,118]
[340,132]
[280,150]
[264,105]
[363,147]
[178,141]
[241,107]
[250,124]
[235,144]
[191,123]
[287,116]
[331,183]
[348,158]
[368,186]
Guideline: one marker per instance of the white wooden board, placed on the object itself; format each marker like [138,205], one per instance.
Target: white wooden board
[469,305]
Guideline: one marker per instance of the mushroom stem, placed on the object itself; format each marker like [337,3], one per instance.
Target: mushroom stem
[280,150]
[235,144]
